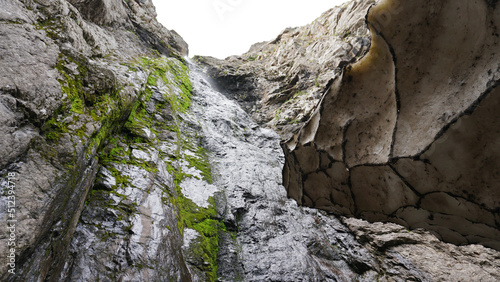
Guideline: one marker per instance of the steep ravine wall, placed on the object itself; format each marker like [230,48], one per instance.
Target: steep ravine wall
[279,82]
[127,165]
[69,81]
[410,133]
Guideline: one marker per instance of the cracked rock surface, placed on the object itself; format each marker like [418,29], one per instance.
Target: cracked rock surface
[410,132]
[271,238]
[59,65]
[280,81]
[131,166]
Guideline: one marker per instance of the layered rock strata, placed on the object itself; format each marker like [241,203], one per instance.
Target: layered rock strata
[409,133]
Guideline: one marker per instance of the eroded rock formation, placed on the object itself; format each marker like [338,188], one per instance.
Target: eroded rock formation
[409,133]
[70,79]
[279,82]
[130,166]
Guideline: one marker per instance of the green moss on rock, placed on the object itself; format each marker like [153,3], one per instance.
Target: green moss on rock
[170,76]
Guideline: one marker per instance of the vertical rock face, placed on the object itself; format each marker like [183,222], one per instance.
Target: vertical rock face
[66,85]
[271,238]
[125,164]
[131,227]
[410,132]
[279,82]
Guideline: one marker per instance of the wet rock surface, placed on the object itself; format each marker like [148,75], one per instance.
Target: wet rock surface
[270,237]
[279,82]
[131,226]
[63,91]
[131,167]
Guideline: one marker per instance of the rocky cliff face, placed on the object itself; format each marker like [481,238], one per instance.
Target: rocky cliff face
[125,164]
[391,138]
[72,79]
[409,133]
[280,82]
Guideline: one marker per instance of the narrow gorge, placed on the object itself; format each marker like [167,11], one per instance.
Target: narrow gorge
[361,147]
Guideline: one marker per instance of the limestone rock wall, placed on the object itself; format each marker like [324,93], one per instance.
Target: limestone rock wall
[280,81]
[129,166]
[410,133]
[66,86]
[131,227]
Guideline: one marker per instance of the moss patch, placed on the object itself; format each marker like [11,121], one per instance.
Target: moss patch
[206,223]
[141,131]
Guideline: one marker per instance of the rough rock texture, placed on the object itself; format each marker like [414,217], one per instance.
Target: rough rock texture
[279,82]
[419,256]
[132,225]
[394,252]
[269,238]
[129,166]
[63,91]
[410,132]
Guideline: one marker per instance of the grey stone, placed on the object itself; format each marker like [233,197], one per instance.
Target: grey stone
[44,47]
[423,256]
[97,202]
[279,82]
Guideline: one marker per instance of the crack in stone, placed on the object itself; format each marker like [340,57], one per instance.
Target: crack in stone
[349,184]
[344,142]
[421,196]
[493,211]
[394,190]
[466,112]
[405,181]
[369,165]
[394,215]
[396,89]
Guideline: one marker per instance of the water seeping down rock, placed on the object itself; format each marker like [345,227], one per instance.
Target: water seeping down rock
[279,82]
[131,164]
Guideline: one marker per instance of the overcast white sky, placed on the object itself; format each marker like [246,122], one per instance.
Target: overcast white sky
[221,28]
